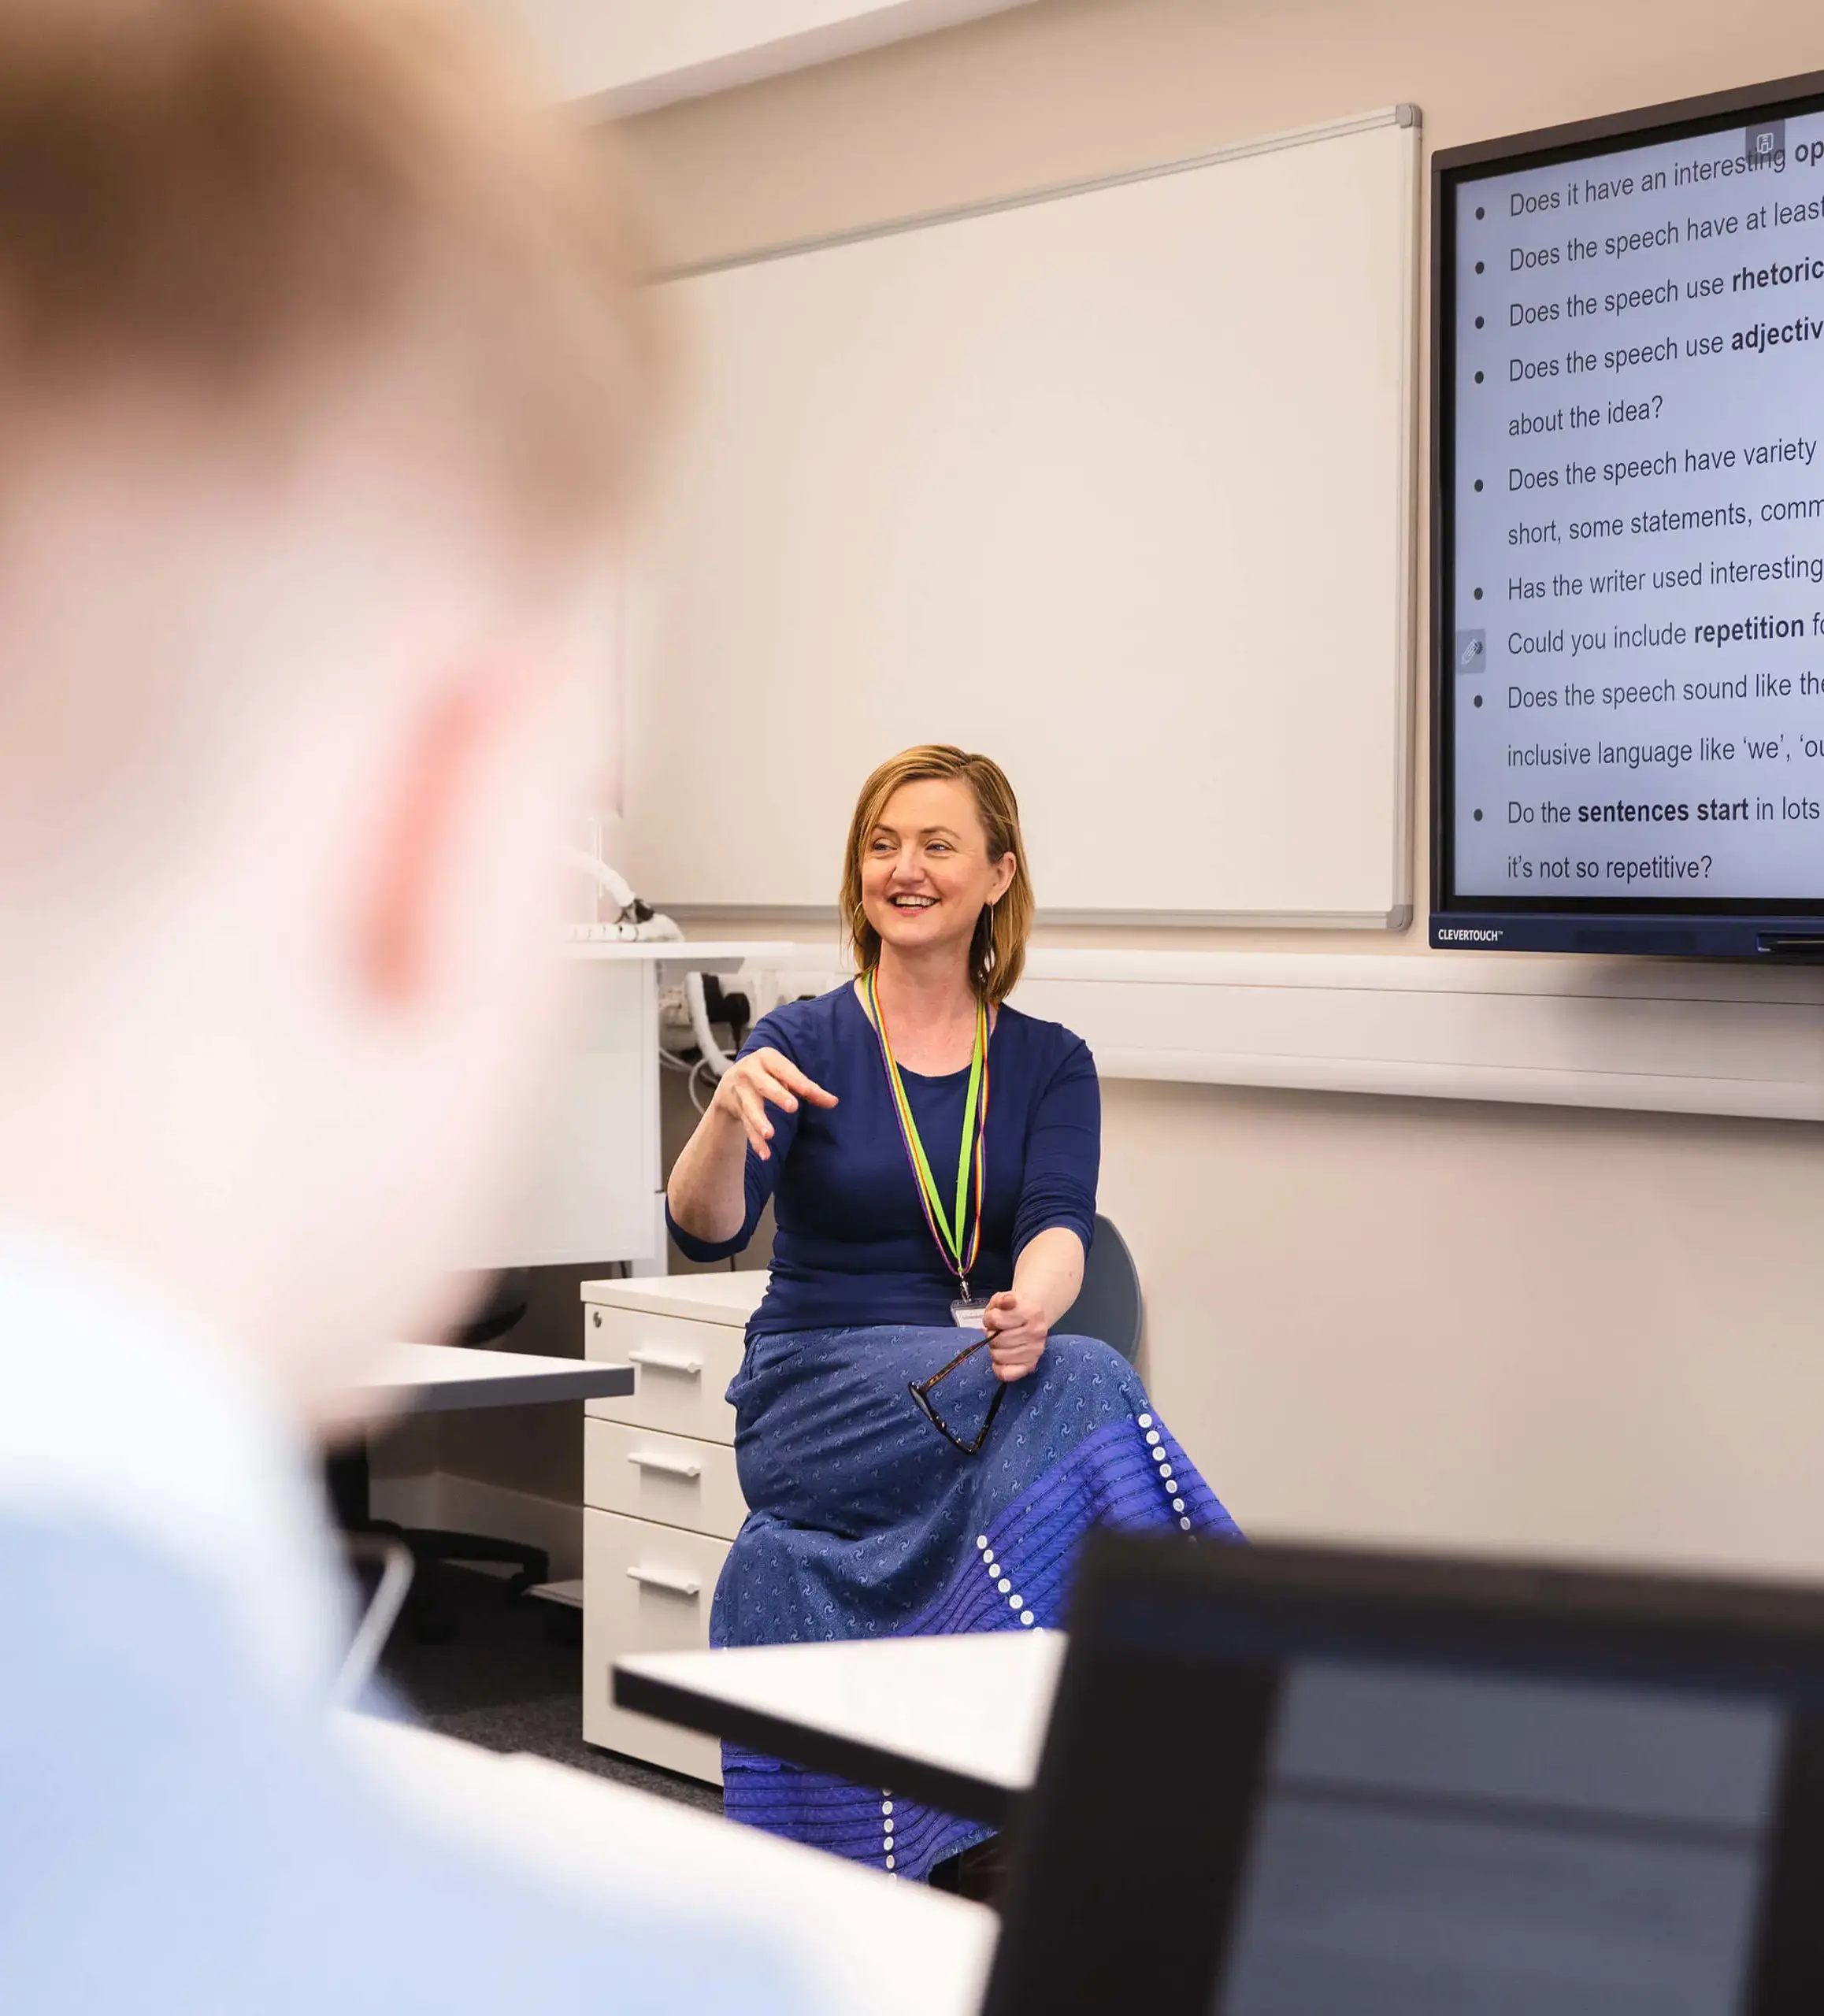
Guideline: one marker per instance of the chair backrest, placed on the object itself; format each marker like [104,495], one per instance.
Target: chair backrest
[508,1299]
[1108,1305]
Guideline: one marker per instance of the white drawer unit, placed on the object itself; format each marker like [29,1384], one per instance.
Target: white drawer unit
[646,1588]
[669,1478]
[684,1369]
[662,1500]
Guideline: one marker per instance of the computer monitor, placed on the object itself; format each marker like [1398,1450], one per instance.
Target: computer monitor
[1293,1782]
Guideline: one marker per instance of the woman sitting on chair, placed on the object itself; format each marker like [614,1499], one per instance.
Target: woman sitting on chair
[919,1452]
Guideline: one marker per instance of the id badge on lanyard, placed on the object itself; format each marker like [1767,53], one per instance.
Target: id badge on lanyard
[967,1310]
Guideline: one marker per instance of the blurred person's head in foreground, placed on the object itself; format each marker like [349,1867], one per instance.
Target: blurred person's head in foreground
[321,372]
[321,375]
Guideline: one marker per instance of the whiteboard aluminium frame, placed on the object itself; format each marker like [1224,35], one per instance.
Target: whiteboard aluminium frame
[1405,117]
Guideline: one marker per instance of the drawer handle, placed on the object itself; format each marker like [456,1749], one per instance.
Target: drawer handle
[659,1578]
[691,1368]
[674,1466]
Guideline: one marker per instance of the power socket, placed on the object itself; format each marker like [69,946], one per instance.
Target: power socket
[674,1019]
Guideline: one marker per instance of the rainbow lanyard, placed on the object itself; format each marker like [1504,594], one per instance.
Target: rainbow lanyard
[974,1127]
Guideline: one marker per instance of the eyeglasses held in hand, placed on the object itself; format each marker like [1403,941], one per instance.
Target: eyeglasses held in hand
[922,1393]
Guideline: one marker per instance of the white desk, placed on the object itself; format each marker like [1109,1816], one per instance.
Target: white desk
[406,1379]
[956,1721]
[439,1378]
[866,1943]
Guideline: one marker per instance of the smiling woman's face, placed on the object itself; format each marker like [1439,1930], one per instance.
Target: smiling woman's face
[925,870]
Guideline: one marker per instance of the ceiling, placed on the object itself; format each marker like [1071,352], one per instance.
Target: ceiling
[621,57]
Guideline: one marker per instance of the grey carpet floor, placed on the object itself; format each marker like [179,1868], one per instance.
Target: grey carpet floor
[510,1676]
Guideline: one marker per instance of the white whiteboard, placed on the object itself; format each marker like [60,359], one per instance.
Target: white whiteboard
[1114,485]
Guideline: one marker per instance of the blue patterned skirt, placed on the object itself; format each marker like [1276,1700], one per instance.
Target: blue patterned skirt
[865,1522]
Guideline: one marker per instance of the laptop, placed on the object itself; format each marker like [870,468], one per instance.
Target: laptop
[1286,1782]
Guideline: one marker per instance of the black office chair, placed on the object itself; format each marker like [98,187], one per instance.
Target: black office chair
[350,1487]
[1108,1305]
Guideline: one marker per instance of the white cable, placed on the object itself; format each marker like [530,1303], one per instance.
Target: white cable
[620,895]
[697,1069]
[605,878]
[716,1060]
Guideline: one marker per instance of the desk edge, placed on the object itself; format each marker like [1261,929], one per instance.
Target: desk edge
[485,1389]
[845,1757]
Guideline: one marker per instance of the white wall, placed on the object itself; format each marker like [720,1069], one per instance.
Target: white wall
[1445,1322]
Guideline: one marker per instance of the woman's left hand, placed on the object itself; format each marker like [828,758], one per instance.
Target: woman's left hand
[1016,1328]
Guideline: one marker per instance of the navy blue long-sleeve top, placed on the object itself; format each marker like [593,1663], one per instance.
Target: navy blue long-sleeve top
[851,1244]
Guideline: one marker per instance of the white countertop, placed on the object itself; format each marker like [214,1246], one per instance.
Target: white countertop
[707,1298]
[696,953]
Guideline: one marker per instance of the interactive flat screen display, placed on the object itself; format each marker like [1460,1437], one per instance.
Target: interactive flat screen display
[1630,534]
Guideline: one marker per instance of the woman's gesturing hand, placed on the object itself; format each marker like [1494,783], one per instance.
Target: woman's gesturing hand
[764,1078]
[1016,1328]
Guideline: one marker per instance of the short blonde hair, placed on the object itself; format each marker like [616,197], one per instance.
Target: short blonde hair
[997,953]
[240,200]
[260,231]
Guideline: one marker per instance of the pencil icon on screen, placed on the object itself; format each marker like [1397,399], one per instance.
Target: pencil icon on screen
[1471,651]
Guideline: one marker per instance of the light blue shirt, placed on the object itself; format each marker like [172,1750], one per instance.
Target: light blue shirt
[177,1833]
